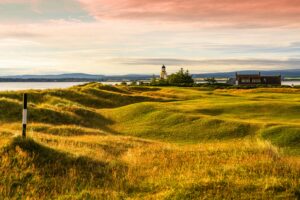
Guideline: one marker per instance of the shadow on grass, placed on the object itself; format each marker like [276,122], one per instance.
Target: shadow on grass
[284,136]
[97,98]
[10,111]
[72,116]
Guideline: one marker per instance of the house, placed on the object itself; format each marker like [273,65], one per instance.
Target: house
[256,79]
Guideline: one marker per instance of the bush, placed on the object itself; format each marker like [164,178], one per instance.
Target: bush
[211,80]
[124,83]
[181,78]
[133,83]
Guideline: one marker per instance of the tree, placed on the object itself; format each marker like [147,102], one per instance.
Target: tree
[211,81]
[153,80]
[123,83]
[180,78]
[133,83]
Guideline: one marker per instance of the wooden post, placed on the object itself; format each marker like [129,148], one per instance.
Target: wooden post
[24,121]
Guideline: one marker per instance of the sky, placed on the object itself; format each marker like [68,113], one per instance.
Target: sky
[115,37]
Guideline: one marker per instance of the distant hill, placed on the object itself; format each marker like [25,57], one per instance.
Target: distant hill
[72,77]
[284,73]
[60,76]
[76,77]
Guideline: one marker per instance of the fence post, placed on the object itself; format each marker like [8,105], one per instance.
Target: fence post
[24,121]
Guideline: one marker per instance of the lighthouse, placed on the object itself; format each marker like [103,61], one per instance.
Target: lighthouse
[163,74]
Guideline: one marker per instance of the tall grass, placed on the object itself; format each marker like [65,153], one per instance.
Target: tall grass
[103,142]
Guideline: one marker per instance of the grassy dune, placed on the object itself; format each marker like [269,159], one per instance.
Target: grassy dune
[102,142]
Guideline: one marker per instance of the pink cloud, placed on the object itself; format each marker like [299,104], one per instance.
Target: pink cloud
[232,12]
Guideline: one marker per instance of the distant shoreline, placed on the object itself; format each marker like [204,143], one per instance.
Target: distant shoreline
[100,80]
[20,86]
[49,80]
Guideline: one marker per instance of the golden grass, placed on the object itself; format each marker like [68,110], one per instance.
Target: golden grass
[157,170]
[152,143]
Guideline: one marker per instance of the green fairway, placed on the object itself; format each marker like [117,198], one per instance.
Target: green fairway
[103,142]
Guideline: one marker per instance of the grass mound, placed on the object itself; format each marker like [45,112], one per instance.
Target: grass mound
[92,95]
[157,121]
[9,110]
[65,130]
[287,137]
[37,170]
[103,142]
[137,169]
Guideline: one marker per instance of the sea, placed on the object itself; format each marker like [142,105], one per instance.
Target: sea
[17,86]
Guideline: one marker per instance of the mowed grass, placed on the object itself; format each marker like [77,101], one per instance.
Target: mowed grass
[103,142]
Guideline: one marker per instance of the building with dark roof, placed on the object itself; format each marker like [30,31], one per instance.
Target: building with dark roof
[257,79]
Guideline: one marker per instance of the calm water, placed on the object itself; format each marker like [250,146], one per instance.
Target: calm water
[291,83]
[13,86]
[9,86]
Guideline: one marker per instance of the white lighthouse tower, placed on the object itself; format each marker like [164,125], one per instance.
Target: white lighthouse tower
[163,74]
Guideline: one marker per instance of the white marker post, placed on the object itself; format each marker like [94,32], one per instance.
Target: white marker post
[24,115]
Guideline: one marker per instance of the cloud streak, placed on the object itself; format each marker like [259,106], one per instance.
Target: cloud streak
[204,35]
[289,63]
[219,12]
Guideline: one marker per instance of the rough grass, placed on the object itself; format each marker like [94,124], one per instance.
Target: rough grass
[102,142]
[287,137]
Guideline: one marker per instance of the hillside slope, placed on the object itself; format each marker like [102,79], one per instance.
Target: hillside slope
[103,142]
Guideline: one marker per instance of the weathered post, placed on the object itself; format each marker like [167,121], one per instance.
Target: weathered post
[24,115]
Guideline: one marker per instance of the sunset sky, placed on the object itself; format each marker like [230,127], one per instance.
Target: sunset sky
[138,36]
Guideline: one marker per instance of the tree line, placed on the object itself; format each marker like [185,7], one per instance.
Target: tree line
[180,78]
